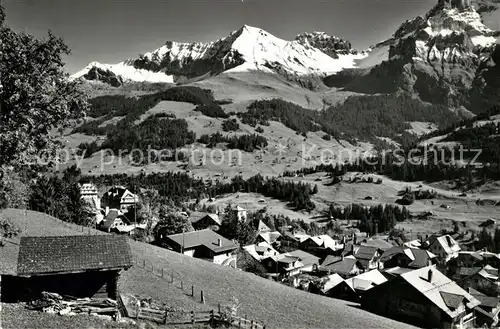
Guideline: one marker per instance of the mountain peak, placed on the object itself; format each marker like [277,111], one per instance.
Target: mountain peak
[247,49]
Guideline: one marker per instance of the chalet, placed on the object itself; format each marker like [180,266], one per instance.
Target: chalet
[350,249]
[368,257]
[329,282]
[261,250]
[240,213]
[424,297]
[377,243]
[89,193]
[118,197]
[487,313]
[114,219]
[211,221]
[470,259]
[407,257]
[283,265]
[484,280]
[204,244]
[444,247]
[346,267]
[353,288]
[309,262]
[262,227]
[320,245]
[79,266]
[268,237]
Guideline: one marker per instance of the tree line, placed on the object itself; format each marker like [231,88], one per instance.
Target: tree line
[247,143]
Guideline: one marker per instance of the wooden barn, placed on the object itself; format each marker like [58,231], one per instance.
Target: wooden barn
[77,266]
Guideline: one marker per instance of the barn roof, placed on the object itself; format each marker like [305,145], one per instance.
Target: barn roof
[69,254]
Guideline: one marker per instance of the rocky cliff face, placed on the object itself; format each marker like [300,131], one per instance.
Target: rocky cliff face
[446,57]
[330,45]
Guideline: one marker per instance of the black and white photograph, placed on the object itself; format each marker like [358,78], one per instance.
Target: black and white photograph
[249,164]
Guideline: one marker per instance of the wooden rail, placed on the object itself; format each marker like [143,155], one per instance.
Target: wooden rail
[193,317]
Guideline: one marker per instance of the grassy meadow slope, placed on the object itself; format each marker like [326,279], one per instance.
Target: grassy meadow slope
[265,301]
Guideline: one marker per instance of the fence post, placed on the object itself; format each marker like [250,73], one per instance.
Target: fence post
[192,317]
[239,323]
[144,263]
[182,286]
[171,278]
[202,297]
[219,308]
[251,325]
[162,272]
[192,291]
[212,315]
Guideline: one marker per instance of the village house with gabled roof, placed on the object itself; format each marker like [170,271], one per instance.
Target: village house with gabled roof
[321,245]
[90,194]
[484,280]
[346,267]
[368,257]
[282,265]
[118,197]
[353,288]
[424,297]
[377,243]
[269,237]
[329,282]
[487,313]
[261,250]
[407,257]
[444,247]
[211,221]
[79,266]
[309,262]
[204,244]
[240,213]
[262,227]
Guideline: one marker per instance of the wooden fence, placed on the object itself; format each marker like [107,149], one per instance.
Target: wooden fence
[193,317]
[199,295]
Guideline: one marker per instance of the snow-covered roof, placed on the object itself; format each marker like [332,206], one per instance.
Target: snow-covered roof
[366,281]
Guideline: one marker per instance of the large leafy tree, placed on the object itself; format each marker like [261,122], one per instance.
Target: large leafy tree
[36,95]
[170,223]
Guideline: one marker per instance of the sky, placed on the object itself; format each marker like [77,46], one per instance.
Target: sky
[110,31]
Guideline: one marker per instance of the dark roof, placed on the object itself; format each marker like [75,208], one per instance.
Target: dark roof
[342,267]
[366,252]
[64,254]
[378,243]
[451,300]
[421,258]
[486,300]
[389,253]
[468,271]
[305,258]
[206,238]
[330,259]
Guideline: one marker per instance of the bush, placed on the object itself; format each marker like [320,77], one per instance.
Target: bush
[327,137]
[212,110]
[87,149]
[230,125]
[259,129]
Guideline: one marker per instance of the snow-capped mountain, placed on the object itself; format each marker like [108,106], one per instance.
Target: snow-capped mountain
[449,56]
[246,49]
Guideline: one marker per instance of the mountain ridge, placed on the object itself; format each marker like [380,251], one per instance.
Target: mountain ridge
[449,56]
[248,48]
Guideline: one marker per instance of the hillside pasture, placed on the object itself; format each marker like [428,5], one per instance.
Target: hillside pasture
[263,300]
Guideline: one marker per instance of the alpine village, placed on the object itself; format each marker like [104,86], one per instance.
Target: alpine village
[255,182]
